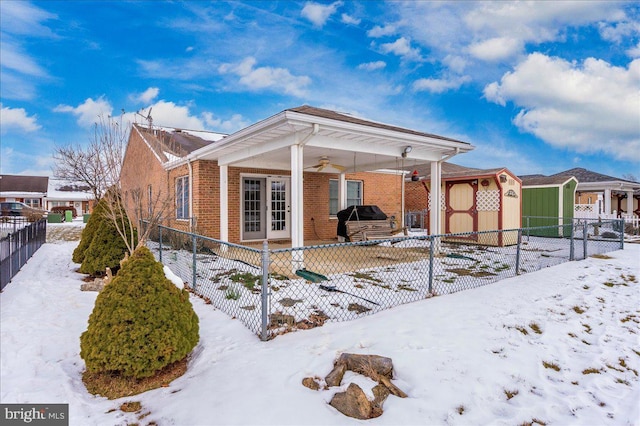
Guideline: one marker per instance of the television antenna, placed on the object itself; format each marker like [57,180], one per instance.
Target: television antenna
[147,117]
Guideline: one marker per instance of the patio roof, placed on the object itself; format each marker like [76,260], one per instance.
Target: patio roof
[353,143]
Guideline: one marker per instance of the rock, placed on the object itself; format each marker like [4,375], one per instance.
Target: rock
[96,285]
[392,388]
[335,377]
[357,308]
[311,383]
[380,393]
[368,365]
[352,403]
[279,319]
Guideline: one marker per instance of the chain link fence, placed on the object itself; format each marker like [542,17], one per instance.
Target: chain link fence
[277,290]
[19,240]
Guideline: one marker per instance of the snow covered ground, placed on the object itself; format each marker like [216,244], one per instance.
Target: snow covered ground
[556,346]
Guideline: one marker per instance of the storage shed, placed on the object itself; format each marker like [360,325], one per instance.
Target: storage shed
[473,200]
[548,201]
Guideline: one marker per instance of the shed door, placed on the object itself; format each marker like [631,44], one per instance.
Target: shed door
[461,213]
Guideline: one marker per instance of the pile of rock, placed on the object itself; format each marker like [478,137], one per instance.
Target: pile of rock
[354,402]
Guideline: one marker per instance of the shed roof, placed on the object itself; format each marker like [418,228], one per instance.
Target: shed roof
[539,180]
[24,184]
[451,171]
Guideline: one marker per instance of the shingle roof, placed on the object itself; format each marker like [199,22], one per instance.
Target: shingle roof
[584,175]
[173,142]
[450,170]
[18,183]
[534,180]
[333,115]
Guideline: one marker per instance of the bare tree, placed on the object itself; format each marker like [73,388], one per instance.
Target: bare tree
[117,206]
[630,177]
[96,165]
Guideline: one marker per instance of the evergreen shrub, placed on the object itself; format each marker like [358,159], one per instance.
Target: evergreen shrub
[141,322]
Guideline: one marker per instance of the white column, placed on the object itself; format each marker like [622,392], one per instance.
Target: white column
[630,203]
[224,203]
[607,201]
[342,192]
[435,218]
[297,210]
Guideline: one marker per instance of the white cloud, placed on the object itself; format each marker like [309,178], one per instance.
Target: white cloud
[235,123]
[456,63]
[435,85]
[267,77]
[496,49]
[23,18]
[318,13]
[348,19]
[634,52]
[169,114]
[379,31]
[401,47]
[147,96]
[14,59]
[587,108]
[88,111]
[372,66]
[616,32]
[17,118]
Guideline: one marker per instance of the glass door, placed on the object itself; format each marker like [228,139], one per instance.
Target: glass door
[279,208]
[253,209]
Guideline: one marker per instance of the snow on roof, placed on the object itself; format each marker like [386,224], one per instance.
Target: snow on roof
[65,191]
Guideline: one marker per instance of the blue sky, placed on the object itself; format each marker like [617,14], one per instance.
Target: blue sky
[538,87]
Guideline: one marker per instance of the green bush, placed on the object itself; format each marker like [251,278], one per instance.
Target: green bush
[89,231]
[101,245]
[141,322]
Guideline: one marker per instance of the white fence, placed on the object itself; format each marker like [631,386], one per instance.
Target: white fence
[592,211]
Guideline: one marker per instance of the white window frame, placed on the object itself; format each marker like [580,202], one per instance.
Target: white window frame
[182,198]
[350,201]
[33,202]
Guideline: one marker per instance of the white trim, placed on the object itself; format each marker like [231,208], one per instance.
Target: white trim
[224,203]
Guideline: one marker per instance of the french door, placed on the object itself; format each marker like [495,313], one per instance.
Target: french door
[266,209]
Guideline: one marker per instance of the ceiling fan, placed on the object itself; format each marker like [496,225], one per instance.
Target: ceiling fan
[325,162]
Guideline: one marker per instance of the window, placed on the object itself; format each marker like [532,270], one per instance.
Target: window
[354,195]
[32,202]
[182,197]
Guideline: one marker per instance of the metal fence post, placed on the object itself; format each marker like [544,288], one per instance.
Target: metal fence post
[585,234]
[431,265]
[160,241]
[518,251]
[572,243]
[621,233]
[193,272]
[264,294]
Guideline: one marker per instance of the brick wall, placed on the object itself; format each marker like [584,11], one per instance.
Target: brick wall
[141,168]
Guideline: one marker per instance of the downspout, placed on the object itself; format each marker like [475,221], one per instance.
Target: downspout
[191,187]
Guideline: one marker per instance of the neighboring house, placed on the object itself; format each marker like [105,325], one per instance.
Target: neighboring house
[548,201]
[473,200]
[30,190]
[61,193]
[599,195]
[283,178]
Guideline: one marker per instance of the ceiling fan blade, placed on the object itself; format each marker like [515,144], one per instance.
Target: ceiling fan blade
[339,167]
[322,166]
[313,167]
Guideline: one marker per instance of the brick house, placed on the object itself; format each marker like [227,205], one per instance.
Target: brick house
[31,190]
[283,178]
